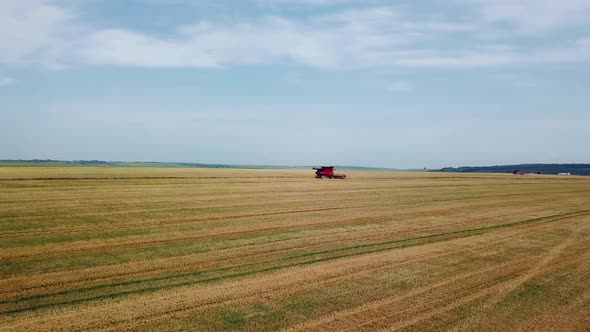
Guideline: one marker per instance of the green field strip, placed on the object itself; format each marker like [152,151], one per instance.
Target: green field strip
[82,204]
[22,238]
[87,259]
[81,210]
[374,248]
[39,223]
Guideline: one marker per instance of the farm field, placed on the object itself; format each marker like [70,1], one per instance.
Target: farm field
[91,248]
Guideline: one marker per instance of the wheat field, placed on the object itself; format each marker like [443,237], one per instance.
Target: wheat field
[91,248]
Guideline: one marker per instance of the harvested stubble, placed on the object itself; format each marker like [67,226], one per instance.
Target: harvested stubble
[196,249]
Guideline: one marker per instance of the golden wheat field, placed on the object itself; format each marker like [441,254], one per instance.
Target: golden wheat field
[86,248]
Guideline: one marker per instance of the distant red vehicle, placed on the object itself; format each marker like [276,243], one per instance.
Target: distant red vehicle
[327,172]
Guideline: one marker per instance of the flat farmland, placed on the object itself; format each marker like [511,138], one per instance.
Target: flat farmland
[90,248]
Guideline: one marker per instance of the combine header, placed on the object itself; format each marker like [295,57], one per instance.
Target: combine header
[327,172]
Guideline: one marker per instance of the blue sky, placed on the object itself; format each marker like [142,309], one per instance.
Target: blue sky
[406,84]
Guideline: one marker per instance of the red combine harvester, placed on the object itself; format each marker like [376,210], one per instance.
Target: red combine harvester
[327,172]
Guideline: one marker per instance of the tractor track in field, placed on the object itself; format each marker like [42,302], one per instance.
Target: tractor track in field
[520,263]
[146,320]
[142,210]
[198,197]
[492,293]
[148,199]
[128,226]
[24,253]
[125,242]
[92,202]
[187,305]
[400,312]
[191,220]
[561,320]
[214,303]
[261,251]
[183,261]
[496,292]
[344,252]
[131,225]
[115,178]
[248,233]
[551,256]
[150,189]
[285,285]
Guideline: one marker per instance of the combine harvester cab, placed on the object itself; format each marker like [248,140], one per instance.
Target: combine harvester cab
[327,172]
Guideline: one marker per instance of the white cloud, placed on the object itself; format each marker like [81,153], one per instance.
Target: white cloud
[43,33]
[344,39]
[535,16]
[128,48]
[584,43]
[31,30]
[303,2]
[335,40]
[515,81]
[5,80]
[399,86]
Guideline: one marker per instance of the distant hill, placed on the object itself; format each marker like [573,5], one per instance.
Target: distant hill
[574,169]
[61,163]
[51,162]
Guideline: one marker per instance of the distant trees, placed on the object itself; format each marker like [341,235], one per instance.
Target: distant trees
[574,169]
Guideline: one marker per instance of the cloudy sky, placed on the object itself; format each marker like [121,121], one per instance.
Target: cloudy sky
[406,84]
